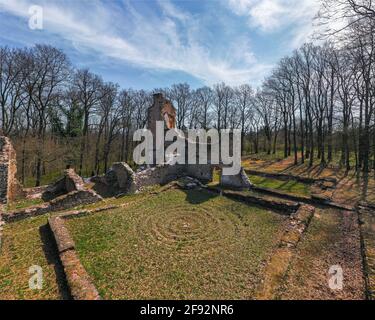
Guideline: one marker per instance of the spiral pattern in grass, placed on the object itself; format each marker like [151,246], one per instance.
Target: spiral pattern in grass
[177,245]
[185,226]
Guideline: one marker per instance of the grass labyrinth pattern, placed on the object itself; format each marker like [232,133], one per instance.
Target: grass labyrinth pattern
[182,228]
[176,247]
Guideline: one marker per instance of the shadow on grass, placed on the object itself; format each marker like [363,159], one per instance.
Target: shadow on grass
[198,196]
[52,257]
[288,186]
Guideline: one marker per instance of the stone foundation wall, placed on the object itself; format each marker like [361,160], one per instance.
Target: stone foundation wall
[239,181]
[281,206]
[121,179]
[10,188]
[159,175]
[118,180]
[80,284]
[74,199]
[202,172]
[69,183]
[167,173]
[64,202]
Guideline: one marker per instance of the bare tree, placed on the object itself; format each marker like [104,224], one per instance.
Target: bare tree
[88,87]
[244,100]
[205,99]
[51,70]
[180,96]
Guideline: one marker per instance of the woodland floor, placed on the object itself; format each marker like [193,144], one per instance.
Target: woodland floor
[351,187]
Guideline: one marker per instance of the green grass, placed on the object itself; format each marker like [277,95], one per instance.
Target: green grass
[215,178]
[23,203]
[25,244]
[46,179]
[177,245]
[291,186]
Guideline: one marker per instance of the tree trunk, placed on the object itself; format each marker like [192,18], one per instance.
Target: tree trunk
[295,140]
[83,142]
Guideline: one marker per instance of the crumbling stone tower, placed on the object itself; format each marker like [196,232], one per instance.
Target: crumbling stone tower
[161,110]
[9,185]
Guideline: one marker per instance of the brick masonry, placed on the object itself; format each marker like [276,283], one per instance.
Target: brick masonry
[10,188]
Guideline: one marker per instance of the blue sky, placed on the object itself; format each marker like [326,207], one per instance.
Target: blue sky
[153,44]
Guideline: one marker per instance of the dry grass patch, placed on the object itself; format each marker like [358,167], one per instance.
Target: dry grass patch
[177,245]
[331,239]
[350,188]
[368,232]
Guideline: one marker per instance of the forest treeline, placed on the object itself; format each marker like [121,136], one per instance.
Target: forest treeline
[317,104]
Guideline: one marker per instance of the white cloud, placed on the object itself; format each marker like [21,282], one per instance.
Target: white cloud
[167,42]
[274,15]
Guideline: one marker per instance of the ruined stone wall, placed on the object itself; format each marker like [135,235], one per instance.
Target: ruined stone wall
[154,113]
[202,172]
[169,114]
[9,185]
[118,180]
[167,173]
[121,179]
[73,199]
[239,181]
[159,175]
[64,202]
[70,182]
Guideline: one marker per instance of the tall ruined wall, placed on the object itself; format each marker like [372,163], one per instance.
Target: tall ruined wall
[9,186]
[161,110]
[154,113]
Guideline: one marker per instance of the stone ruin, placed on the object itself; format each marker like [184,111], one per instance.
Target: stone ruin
[161,110]
[238,181]
[70,190]
[118,180]
[69,183]
[10,188]
[121,179]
